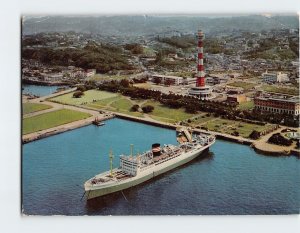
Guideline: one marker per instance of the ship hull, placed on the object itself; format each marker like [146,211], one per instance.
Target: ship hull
[153,172]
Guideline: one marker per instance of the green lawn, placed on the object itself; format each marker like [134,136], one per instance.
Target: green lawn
[123,106]
[246,86]
[51,119]
[166,114]
[33,107]
[116,104]
[229,126]
[281,90]
[88,97]
[104,103]
[201,120]
[246,105]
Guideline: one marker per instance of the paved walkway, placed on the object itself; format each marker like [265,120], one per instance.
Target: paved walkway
[263,145]
[64,127]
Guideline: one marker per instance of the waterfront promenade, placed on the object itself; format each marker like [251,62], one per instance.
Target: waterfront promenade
[260,145]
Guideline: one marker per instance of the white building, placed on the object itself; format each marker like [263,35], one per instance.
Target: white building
[53,77]
[274,77]
[90,72]
[173,80]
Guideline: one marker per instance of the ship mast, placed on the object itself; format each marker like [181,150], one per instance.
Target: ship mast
[111,157]
[131,150]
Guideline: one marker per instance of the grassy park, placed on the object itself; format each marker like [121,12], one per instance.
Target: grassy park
[33,107]
[51,119]
[246,105]
[228,126]
[165,114]
[118,103]
[281,90]
[88,97]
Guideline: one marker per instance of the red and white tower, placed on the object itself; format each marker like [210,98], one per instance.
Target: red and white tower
[200,67]
[201,90]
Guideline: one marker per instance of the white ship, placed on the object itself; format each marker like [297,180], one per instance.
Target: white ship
[137,169]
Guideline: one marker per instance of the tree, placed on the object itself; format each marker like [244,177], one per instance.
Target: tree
[78,94]
[81,88]
[135,108]
[148,108]
[138,49]
[235,133]
[191,109]
[157,80]
[168,82]
[254,135]
[278,139]
[124,83]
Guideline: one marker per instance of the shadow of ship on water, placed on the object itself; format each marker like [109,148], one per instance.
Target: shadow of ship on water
[95,205]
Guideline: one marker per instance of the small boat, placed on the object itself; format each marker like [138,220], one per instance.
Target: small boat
[97,122]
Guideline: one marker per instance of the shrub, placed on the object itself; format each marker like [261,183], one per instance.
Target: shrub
[78,94]
[278,139]
[81,88]
[254,135]
[147,108]
[235,133]
[135,108]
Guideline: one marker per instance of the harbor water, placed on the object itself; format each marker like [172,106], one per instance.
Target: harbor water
[39,90]
[230,179]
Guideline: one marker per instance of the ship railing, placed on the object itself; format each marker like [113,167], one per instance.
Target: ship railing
[168,158]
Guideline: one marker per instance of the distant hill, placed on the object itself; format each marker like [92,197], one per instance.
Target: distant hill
[145,25]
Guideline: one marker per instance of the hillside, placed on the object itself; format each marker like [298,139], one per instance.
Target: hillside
[145,25]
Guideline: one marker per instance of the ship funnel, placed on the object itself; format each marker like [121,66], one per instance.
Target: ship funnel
[156,149]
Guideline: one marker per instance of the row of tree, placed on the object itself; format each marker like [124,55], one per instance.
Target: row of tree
[193,105]
[278,139]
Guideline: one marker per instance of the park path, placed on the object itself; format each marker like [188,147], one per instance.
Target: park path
[65,127]
[41,100]
[263,145]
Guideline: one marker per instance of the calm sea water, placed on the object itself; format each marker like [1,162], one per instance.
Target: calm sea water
[39,90]
[230,179]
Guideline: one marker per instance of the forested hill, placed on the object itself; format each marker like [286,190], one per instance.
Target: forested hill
[102,57]
[143,25]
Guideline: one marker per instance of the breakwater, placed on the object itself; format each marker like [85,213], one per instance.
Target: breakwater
[63,128]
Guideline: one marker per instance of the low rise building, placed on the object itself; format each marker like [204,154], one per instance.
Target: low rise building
[171,80]
[278,104]
[274,77]
[90,72]
[189,81]
[236,99]
[54,77]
